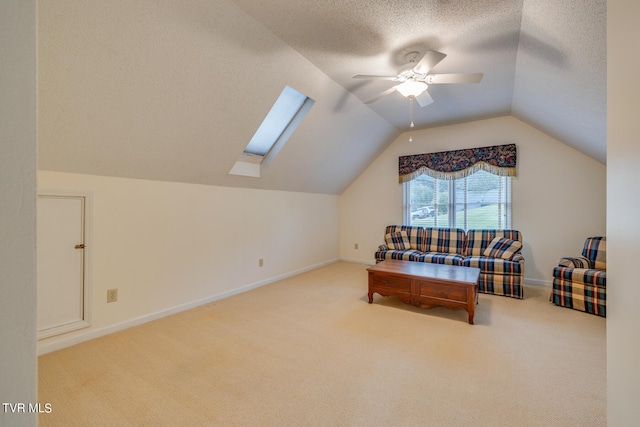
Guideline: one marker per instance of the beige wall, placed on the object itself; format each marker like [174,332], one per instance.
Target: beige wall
[558,195]
[17,209]
[170,246]
[623,206]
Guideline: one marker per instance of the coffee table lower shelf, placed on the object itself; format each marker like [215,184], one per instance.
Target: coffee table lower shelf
[426,285]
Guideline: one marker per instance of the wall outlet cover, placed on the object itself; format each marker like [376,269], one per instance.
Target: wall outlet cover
[112,295]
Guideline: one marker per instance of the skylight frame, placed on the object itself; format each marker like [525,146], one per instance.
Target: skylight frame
[282,113]
[285,116]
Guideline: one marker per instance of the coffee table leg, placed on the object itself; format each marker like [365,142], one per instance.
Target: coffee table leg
[370,297]
[471,304]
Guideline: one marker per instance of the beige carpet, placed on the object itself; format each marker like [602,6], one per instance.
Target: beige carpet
[310,351]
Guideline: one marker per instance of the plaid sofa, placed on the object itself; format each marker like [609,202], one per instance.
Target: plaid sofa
[497,275]
[454,246]
[580,282]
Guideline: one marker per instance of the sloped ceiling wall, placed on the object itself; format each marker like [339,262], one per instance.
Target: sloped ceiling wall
[173,91]
[560,85]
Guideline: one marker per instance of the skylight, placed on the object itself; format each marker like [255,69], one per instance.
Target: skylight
[276,128]
[282,113]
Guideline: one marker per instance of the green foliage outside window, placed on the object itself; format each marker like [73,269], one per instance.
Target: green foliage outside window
[481,200]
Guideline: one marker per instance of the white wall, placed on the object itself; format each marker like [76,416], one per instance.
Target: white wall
[558,196]
[169,246]
[623,205]
[17,209]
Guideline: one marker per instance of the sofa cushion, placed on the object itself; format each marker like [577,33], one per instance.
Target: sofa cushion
[493,265]
[444,240]
[581,275]
[438,258]
[501,247]
[479,240]
[398,240]
[401,255]
[414,233]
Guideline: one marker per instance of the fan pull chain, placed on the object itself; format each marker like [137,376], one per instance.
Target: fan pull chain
[411,125]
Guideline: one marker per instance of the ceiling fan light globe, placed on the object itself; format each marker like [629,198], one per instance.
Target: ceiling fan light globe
[411,88]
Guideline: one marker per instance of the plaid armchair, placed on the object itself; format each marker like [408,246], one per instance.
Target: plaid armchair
[580,282]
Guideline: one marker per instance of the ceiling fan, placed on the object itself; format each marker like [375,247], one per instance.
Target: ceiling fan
[414,78]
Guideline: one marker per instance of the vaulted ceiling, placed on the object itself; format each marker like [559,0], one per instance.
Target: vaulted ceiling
[173,91]
[544,61]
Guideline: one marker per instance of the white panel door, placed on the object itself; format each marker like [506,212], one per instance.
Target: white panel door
[61,264]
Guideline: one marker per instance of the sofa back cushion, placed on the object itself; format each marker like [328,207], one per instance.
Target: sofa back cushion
[397,241]
[414,233]
[504,248]
[444,240]
[595,250]
[479,240]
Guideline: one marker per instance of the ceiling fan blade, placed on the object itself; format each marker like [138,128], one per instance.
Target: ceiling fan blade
[454,78]
[424,99]
[380,95]
[428,61]
[366,76]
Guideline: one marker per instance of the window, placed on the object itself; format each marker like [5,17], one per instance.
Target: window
[480,200]
[279,118]
[276,128]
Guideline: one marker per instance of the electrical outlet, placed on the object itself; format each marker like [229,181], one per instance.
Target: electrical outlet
[260,262]
[112,295]
[356,246]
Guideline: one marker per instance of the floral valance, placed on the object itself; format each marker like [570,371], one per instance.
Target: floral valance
[498,160]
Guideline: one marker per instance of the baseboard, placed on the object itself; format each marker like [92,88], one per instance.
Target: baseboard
[537,282]
[359,261]
[63,342]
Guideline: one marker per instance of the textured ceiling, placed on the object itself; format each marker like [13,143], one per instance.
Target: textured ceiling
[544,61]
[173,90]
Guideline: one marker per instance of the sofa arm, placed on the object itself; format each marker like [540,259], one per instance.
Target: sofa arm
[518,258]
[574,262]
[383,247]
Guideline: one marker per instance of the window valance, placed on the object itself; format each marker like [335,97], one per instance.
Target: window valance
[498,160]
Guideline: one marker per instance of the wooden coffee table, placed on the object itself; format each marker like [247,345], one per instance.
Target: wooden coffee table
[425,284]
